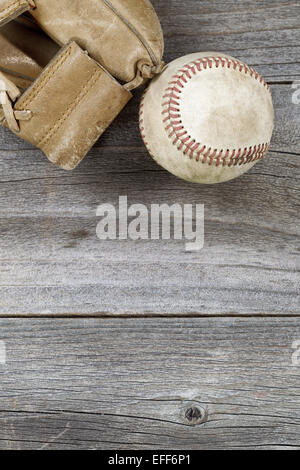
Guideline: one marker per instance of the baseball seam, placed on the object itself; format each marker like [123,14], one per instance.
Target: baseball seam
[141,126]
[180,136]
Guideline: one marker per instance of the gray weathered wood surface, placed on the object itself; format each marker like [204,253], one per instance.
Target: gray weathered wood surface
[49,250]
[130,383]
[126,383]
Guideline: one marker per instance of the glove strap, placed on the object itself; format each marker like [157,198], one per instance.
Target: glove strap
[68,107]
[145,71]
[10,9]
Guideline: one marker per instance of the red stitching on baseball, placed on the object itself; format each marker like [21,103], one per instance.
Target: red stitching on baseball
[141,125]
[174,125]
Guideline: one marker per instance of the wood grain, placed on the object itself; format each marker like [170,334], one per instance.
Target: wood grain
[136,383]
[51,255]
[218,376]
[264,34]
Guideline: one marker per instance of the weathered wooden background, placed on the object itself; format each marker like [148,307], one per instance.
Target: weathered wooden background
[219,371]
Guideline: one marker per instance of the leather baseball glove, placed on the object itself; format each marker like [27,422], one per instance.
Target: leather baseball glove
[25,51]
[77,95]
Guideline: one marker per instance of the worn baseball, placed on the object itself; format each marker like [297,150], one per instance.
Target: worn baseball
[208,118]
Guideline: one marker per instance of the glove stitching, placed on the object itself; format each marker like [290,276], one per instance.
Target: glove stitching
[77,158]
[37,89]
[45,139]
[138,35]
[9,7]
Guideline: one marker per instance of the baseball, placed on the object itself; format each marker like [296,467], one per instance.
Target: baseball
[208,118]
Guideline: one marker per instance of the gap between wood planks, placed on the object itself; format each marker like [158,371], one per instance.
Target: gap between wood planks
[146,315]
[287,82]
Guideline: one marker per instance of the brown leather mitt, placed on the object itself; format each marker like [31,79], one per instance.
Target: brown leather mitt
[76,96]
[24,51]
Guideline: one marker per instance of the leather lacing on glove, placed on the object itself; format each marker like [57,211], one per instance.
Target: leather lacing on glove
[144,72]
[8,95]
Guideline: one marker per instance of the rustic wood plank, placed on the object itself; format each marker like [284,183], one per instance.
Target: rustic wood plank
[264,34]
[131,384]
[124,134]
[50,253]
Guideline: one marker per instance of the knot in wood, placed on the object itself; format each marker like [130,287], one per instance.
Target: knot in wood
[194,415]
